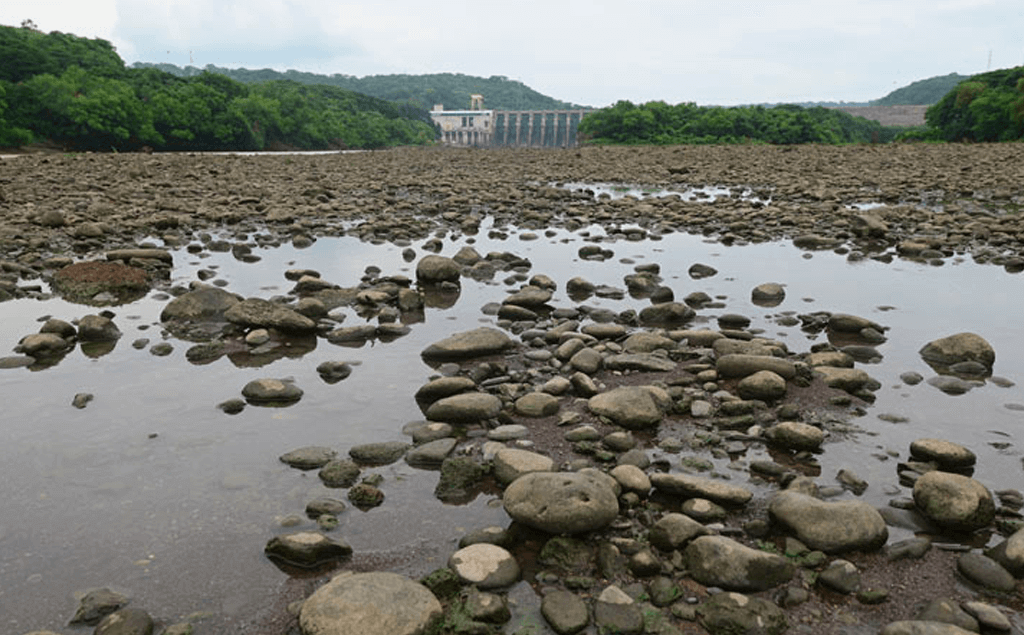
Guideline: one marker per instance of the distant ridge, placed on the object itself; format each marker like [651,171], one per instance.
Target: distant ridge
[450,89]
[924,92]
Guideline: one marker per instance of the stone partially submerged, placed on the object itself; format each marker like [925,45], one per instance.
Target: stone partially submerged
[954,349]
[467,345]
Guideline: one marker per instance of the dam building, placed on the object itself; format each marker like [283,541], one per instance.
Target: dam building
[478,127]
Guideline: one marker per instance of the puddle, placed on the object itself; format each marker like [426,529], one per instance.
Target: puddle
[153,491]
[705,194]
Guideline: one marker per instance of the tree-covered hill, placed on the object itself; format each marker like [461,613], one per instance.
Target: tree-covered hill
[660,123]
[78,93]
[451,89]
[985,107]
[922,93]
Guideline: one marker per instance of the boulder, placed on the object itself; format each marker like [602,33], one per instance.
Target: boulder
[469,344]
[96,328]
[127,621]
[849,379]
[377,603]
[536,404]
[643,362]
[1010,553]
[763,385]
[768,294]
[666,314]
[954,502]
[565,612]
[307,549]
[511,463]
[687,486]
[562,503]
[437,269]
[794,435]
[468,407]
[832,527]
[985,572]
[737,613]
[206,304]
[633,407]
[529,297]
[309,457]
[962,347]
[740,365]
[723,562]
[946,454]
[260,313]
[271,392]
[673,531]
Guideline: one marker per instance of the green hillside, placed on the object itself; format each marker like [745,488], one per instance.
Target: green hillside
[77,92]
[424,91]
[922,93]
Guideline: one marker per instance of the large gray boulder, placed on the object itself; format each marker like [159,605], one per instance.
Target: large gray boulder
[376,603]
[562,502]
[437,269]
[832,527]
[633,407]
[723,562]
[954,502]
[466,345]
[962,347]
[206,304]
[260,313]
[97,328]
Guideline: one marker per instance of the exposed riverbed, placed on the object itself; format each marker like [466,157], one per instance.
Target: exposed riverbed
[155,492]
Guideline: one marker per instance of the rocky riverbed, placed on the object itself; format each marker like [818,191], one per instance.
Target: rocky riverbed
[602,390]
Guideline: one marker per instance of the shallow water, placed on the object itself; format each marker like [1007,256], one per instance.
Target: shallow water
[153,491]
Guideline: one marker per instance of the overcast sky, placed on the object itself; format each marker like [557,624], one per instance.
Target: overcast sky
[592,52]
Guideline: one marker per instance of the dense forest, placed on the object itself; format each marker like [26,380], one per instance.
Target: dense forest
[660,123]
[423,91]
[78,93]
[985,107]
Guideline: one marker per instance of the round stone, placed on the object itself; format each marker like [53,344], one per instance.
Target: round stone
[377,603]
[944,453]
[485,565]
[271,392]
[953,501]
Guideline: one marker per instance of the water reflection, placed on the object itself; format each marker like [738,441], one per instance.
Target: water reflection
[204,494]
